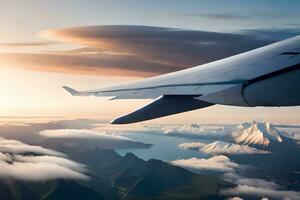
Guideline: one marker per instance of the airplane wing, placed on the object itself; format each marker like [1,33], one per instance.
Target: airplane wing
[219,82]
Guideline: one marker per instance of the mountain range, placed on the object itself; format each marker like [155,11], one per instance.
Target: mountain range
[256,133]
[221,147]
[153,179]
[114,177]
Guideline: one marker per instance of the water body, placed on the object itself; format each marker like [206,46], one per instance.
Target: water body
[164,147]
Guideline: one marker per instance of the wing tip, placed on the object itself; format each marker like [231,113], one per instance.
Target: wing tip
[126,119]
[70,90]
[118,121]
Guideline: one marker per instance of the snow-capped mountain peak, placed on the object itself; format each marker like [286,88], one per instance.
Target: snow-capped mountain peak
[216,146]
[221,147]
[259,133]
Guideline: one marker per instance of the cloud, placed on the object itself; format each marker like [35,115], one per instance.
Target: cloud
[290,131]
[221,147]
[271,34]
[253,182]
[192,130]
[82,134]
[262,192]
[27,44]
[262,14]
[32,169]
[25,162]
[138,50]
[17,147]
[192,145]
[178,47]
[224,16]
[257,187]
[91,64]
[235,198]
[51,159]
[217,163]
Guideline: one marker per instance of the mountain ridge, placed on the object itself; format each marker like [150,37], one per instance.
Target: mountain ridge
[221,147]
[154,179]
[257,133]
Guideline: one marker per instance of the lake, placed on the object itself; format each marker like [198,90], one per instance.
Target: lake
[164,147]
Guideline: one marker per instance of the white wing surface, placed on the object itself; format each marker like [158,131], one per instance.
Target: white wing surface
[219,82]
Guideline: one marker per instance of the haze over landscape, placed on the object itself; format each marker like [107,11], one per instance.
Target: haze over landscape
[55,146]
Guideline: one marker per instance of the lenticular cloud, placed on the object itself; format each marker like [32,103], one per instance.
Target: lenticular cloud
[17,147]
[21,161]
[82,134]
[219,163]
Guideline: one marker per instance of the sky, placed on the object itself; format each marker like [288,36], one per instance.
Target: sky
[39,52]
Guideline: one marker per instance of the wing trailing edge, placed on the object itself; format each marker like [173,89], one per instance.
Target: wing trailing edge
[163,106]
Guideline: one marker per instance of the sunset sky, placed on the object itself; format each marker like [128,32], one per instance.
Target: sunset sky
[39,52]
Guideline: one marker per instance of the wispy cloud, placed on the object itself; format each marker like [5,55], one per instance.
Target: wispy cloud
[137,50]
[91,64]
[242,16]
[224,16]
[34,163]
[27,44]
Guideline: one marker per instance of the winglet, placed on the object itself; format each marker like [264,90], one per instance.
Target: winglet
[71,91]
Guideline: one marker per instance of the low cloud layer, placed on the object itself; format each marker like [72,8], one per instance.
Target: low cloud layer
[223,16]
[139,50]
[192,130]
[217,163]
[25,162]
[17,147]
[290,131]
[257,188]
[263,192]
[252,182]
[82,134]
